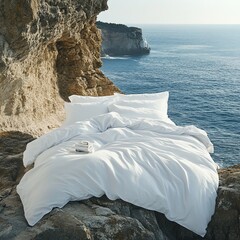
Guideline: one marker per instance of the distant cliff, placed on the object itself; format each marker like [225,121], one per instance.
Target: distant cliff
[118,39]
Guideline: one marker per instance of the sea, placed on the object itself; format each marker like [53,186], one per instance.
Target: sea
[200,67]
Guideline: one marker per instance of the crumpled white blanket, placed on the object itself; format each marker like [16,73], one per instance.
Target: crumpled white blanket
[149,163]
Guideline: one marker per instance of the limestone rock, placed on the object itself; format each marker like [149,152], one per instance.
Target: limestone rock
[225,223]
[118,40]
[49,49]
[101,218]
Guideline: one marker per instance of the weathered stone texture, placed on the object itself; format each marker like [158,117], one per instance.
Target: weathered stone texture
[49,50]
[226,220]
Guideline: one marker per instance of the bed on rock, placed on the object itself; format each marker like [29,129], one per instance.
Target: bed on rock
[138,155]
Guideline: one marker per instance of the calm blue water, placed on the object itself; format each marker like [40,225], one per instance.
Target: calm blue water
[200,67]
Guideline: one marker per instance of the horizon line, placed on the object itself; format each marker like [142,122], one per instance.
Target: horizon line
[171,23]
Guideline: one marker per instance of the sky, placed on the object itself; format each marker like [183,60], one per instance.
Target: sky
[172,12]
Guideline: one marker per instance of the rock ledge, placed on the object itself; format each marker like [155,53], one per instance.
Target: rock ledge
[100,218]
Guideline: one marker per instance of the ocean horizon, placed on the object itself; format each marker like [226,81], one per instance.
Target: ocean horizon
[200,67]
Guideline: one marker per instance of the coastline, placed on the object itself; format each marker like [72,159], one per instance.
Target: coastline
[52,52]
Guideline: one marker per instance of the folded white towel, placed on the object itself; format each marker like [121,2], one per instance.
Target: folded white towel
[84,146]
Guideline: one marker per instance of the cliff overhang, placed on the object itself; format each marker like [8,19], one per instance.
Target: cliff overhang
[49,50]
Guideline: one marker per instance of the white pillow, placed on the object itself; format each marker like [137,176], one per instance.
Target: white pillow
[83,111]
[161,100]
[143,113]
[143,96]
[90,99]
[158,104]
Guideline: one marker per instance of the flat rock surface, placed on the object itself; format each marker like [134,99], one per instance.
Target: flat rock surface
[101,218]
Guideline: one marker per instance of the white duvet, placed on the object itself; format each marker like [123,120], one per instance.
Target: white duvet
[149,163]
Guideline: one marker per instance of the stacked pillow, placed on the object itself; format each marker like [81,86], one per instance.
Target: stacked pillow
[149,105]
[90,99]
[152,105]
[82,108]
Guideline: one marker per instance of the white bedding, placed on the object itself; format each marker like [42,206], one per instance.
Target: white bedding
[149,163]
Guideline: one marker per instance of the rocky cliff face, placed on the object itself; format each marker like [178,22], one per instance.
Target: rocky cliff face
[121,40]
[100,218]
[49,49]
